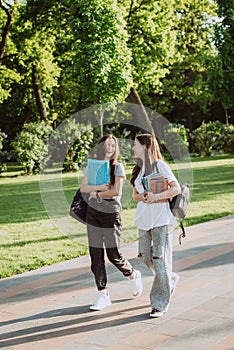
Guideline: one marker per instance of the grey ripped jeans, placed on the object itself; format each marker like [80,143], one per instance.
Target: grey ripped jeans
[155,251]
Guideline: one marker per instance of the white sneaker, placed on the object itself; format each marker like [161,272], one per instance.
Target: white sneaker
[102,300]
[175,279]
[136,282]
[157,313]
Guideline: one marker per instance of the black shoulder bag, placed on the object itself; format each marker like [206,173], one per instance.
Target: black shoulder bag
[79,205]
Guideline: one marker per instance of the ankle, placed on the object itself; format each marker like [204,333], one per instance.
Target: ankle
[104,291]
[132,276]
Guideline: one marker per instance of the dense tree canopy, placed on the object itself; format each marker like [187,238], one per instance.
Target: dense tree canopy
[58,57]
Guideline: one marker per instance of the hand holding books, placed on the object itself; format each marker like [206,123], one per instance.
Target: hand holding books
[154,183]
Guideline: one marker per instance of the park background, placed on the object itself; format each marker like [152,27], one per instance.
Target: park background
[57,58]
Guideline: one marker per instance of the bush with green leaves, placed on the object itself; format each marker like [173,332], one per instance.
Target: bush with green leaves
[213,136]
[225,142]
[175,141]
[30,146]
[3,136]
[72,140]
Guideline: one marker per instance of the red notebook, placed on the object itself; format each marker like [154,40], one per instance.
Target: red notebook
[159,185]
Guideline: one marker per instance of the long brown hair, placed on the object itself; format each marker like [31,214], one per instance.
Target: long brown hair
[152,154]
[101,154]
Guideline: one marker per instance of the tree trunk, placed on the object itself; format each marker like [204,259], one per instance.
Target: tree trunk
[139,114]
[38,95]
[101,116]
[52,112]
[5,31]
[190,127]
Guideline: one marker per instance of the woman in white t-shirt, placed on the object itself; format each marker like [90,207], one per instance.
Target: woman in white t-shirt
[155,221]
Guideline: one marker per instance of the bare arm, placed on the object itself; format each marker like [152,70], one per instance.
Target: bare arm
[86,188]
[115,191]
[137,197]
[108,192]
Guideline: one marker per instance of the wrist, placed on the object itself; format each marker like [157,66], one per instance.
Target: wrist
[98,197]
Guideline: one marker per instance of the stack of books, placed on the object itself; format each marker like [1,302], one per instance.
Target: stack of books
[155,183]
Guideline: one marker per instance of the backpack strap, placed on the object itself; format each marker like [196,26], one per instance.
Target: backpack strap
[183,234]
[156,166]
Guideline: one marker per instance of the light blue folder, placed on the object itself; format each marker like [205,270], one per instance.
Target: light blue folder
[98,172]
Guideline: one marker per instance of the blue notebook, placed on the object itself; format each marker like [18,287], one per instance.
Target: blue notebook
[98,172]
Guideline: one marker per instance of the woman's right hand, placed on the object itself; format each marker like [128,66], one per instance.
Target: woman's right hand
[144,197]
[102,188]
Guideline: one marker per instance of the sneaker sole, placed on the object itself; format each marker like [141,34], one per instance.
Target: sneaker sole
[137,294]
[95,308]
[157,315]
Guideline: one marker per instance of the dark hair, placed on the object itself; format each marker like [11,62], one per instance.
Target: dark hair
[101,154]
[152,153]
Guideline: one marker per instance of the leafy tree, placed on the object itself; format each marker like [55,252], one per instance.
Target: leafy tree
[102,59]
[224,78]
[185,89]
[151,39]
[36,59]
[8,75]
[51,18]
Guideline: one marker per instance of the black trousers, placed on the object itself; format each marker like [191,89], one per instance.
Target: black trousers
[104,230]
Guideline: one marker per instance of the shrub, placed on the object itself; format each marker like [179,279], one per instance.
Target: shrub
[30,146]
[175,142]
[3,136]
[72,142]
[213,136]
[225,142]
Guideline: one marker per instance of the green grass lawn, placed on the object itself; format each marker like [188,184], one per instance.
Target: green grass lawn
[37,231]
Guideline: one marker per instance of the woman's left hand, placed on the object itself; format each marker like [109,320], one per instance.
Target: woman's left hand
[93,194]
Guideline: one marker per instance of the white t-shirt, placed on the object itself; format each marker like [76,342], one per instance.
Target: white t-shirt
[153,215]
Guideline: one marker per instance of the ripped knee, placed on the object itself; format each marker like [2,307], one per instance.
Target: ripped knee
[144,258]
[157,257]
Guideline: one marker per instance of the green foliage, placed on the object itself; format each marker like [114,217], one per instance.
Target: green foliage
[8,73]
[30,146]
[73,140]
[7,78]
[101,56]
[151,38]
[175,143]
[225,143]
[89,52]
[225,44]
[185,88]
[3,136]
[213,136]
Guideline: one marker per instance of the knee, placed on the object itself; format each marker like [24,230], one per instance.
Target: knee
[113,255]
[146,260]
[155,257]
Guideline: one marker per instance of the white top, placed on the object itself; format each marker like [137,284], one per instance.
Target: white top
[153,215]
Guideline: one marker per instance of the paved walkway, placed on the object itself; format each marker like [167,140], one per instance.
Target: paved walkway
[49,308]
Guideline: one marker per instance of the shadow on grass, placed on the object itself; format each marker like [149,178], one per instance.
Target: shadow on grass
[36,241]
